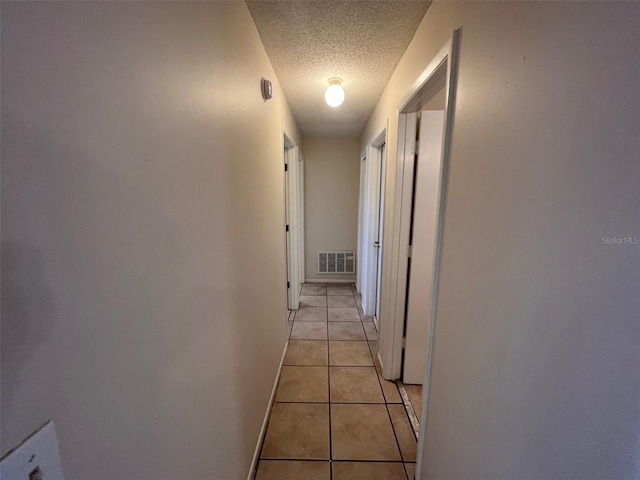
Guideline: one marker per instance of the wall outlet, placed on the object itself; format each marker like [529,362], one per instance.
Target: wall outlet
[36,458]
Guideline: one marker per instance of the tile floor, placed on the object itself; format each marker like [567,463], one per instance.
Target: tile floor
[334,416]
[415,396]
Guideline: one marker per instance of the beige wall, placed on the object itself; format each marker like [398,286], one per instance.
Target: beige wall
[332,185]
[536,349]
[142,205]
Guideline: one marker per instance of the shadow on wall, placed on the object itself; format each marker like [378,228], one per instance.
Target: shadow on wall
[121,325]
[27,307]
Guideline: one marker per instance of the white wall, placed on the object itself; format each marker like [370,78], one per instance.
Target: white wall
[332,182]
[142,206]
[537,332]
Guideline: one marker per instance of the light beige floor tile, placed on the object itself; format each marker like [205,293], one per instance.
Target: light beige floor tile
[313,301]
[293,470]
[349,354]
[339,290]
[362,432]
[307,352]
[411,470]
[373,346]
[303,384]
[346,331]
[358,297]
[415,395]
[316,304]
[370,330]
[404,432]
[343,314]
[368,471]
[311,314]
[389,389]
[341,301]
[355,385]
[308,289]
[297,431]
[309,331]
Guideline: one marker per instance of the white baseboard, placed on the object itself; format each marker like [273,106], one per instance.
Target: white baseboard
[263,430]
[327,280]
[380,358]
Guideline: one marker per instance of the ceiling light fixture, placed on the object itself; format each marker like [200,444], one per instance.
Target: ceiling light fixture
[334,95]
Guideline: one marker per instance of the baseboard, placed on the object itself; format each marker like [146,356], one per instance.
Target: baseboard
[256,455]
[380,358]
[327,280]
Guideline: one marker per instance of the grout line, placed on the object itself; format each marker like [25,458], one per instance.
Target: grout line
[302,401]
[408,408]
[406,472]
[257,454]
[341,460]
[329,406]
[331,402]
[386,404]
[395,435]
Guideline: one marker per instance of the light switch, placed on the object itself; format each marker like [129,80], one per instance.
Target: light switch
[36,458]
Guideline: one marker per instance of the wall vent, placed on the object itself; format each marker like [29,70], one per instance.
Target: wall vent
[337,262]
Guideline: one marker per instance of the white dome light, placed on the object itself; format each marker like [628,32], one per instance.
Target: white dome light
[334,95]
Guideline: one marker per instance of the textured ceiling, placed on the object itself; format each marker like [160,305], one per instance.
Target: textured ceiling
[360,41]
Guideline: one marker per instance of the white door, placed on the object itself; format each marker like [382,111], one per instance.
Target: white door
[372,229]
[428,170]
[300,202]
[361,214]
[378,242]
[293,228]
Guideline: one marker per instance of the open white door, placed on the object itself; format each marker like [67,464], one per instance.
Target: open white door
[294,224]
[372,226]
[361,214]
[378,243]
[300,202]
[428,170]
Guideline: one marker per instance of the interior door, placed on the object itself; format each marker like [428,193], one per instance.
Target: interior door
[372,228]
[378,242]
[293,228]
[428,170]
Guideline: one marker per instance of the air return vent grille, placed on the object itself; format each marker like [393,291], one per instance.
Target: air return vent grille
[336,262]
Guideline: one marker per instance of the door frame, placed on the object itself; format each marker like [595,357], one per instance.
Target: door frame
[300,202]
[361,216]
[426,84]
[416,329]
[294,218]
[373,223]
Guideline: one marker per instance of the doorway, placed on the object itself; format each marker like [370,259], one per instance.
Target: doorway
[411,283]
[371,225]
[294,221]
[422,237]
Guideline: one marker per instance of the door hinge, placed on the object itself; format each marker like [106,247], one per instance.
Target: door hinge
[286,228]
[412,148]
[417,147]
[404,342]
[286,167]
[409,251]
[288,285]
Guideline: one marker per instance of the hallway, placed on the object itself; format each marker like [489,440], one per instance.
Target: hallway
[147,161]
[334,416]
